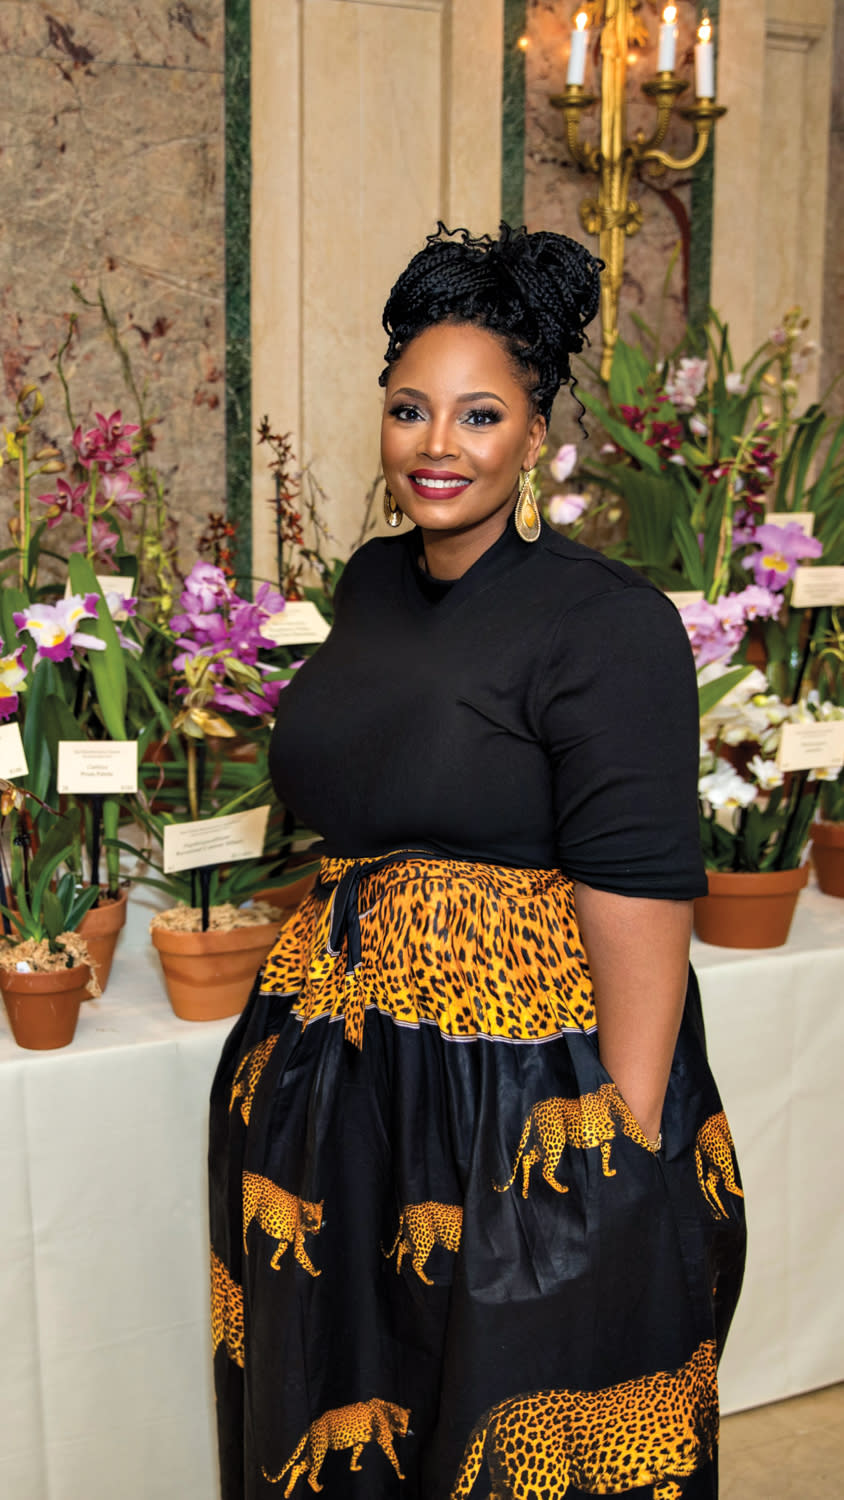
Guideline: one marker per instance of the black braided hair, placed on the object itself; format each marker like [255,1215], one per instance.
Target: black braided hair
[535,292]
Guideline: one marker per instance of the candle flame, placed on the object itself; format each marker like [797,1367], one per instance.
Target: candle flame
[581,20]
[704,31]
[523,43]
[669,15]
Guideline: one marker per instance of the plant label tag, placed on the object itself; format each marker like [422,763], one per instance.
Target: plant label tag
[215,841]
[298,624]
[682,597]
[112,583]
[101,766]
[805,519]
[12,756]
[811,747]
[814,587]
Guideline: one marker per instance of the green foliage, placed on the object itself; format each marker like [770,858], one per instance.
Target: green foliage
[43,912]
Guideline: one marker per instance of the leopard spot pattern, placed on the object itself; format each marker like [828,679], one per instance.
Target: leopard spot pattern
[421,1227]
[226,1312]
[654,1431]
[715,1163]
[282,1216]
[345,1427]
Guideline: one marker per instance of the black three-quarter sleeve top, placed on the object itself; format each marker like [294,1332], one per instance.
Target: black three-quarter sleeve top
[541,710]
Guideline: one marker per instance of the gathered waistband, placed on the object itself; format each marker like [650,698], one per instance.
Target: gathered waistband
[474,948]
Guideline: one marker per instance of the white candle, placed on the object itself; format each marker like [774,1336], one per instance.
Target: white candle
[704,61]
[579,44]
[667,40]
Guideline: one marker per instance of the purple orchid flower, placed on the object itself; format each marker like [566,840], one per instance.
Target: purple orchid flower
[780,550]
[120,489]
[53,626]
[714,634]
[67,500]
[12,676]
[107,445]
[105,541]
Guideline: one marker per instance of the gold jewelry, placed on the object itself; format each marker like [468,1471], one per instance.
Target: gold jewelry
[392,515]
[656,1145]
[528,523]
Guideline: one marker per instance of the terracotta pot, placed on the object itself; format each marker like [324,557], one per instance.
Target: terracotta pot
[748,909]
[209,974]
[288,897]
[43,1008]
[101,928]
[828,856]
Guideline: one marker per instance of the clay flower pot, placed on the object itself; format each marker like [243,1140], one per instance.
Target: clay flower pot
[748,909]
[101,927]
[287,897]
[828,856]
[43,1008]
[209,974]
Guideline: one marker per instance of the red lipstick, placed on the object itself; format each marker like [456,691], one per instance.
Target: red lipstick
[438,484]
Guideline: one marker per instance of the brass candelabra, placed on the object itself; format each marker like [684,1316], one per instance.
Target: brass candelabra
[611,213]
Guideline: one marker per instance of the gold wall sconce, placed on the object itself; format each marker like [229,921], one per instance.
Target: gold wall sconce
[611,213]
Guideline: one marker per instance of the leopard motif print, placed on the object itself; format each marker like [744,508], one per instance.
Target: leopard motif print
[421,1227]
[346,1427]
[282,1216]
[654,1431]
[249,1071]
[474,949]
[584,1122]
[226,1312]
[715,1162]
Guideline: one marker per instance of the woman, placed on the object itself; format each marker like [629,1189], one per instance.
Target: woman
[476,1221]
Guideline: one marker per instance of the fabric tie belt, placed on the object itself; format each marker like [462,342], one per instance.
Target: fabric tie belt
[343,877]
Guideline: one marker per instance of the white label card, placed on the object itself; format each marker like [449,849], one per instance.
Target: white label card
[808,747]
[101,766]
[215,841]
[814,587]
[805,519]
[298,624]
[12,757]
[111,583]
[682,597]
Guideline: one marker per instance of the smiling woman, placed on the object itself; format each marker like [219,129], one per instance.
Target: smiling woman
[474,1205]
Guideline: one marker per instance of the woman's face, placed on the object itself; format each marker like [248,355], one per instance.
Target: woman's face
[457,428]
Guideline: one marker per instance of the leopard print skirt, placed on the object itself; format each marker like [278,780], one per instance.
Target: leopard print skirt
[445,1260]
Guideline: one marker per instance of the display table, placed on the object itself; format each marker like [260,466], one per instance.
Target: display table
[105,1364]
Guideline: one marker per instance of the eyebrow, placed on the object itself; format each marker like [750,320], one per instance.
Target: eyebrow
[408,390]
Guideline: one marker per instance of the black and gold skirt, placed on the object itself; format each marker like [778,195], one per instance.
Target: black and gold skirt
[445,1261]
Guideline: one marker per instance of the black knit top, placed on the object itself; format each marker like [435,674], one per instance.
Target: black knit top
[541,710]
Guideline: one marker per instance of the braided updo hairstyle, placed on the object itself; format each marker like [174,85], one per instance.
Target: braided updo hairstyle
[535,292]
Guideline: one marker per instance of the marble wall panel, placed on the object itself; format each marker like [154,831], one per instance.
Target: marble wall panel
[111,175]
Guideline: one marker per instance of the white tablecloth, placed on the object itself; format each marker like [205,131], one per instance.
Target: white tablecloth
[105,1384]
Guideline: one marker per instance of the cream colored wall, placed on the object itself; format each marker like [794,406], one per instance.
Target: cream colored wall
[371,120]
[774,76]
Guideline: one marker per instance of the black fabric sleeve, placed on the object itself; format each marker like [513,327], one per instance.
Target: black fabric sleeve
[616,704]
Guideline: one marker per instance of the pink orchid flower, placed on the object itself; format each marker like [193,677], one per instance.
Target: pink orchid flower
[68,500]
[105,540]
[121,491]
[564,509]
[53,626]
[107,444]
[780,550]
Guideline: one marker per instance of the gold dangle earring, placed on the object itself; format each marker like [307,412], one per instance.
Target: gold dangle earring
[528,523]
[392,515]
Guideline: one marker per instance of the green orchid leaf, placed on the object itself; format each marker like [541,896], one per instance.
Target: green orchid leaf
[711,693]
[108,667]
